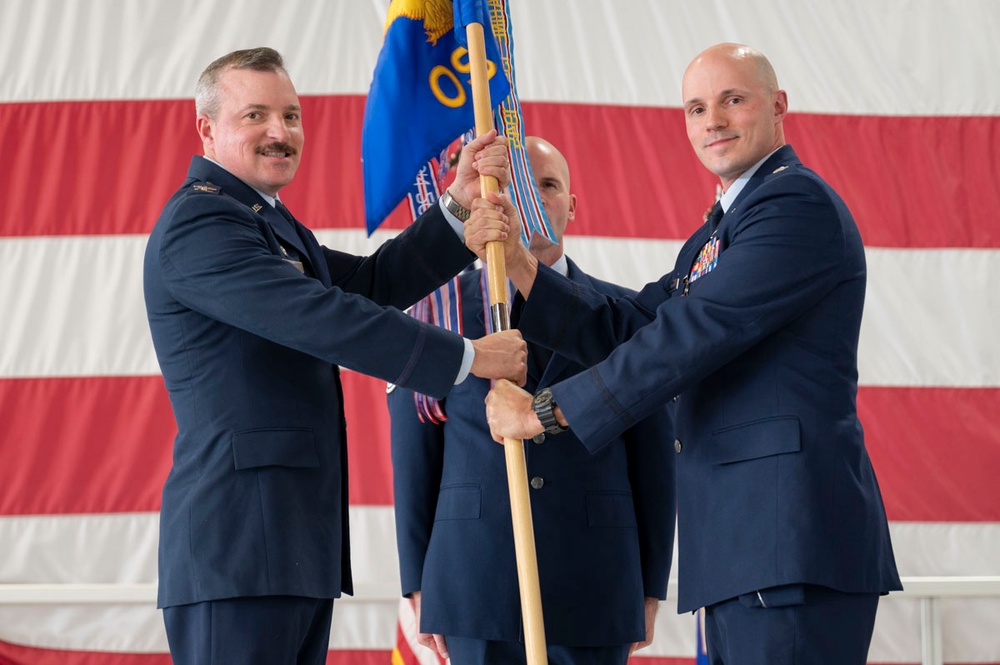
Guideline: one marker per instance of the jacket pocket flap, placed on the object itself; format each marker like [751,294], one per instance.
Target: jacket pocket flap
[459,502]
[275,447]
[761,438]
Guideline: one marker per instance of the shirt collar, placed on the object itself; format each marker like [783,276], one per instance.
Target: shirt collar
[267,197]
[561,266]
[734,190]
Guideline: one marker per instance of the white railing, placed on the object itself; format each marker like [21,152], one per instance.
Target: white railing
[930,591]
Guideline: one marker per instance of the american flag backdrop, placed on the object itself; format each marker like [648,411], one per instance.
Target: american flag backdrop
[895,102]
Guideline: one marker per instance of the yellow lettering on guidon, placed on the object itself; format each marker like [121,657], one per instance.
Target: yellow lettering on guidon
[461,67]
[451,102]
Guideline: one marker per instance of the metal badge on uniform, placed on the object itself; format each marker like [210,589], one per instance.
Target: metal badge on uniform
[207,187]
[296,264]
[389,387]
[256,207]
[779,169]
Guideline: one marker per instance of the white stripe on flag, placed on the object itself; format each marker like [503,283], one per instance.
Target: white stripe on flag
[926,318]
[617,52]
[108,548]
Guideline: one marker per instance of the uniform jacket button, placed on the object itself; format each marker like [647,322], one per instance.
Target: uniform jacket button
[537,482]
[677,445]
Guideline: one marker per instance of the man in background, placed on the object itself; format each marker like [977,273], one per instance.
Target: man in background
[603,523]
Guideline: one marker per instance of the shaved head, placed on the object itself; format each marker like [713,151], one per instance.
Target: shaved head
[744,57]
[733,109]
[551,173]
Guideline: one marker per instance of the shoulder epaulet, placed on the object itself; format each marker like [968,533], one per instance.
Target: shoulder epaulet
[206,187]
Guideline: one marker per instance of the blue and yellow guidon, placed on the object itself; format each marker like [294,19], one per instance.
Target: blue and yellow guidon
[438,20]
[420,99]
[437,15]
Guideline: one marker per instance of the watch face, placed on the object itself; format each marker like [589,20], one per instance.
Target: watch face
[543,398]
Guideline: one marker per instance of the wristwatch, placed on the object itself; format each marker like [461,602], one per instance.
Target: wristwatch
[454,207]
[544,407]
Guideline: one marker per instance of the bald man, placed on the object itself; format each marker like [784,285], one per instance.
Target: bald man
[603,523]
[782,532]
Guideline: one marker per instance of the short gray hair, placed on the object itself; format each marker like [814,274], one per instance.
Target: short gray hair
[206,92]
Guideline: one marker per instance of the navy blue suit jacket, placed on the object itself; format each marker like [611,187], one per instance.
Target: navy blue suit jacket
[249,346]
[774,483]
[603,522]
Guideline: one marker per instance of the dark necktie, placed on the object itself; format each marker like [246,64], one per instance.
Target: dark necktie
[284,212]
[714,215]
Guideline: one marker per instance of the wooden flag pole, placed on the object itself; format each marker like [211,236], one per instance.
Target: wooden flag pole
[517,468]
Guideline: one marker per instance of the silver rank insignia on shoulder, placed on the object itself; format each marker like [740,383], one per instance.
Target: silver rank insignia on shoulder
[779,169]
[208,188]
[256,207]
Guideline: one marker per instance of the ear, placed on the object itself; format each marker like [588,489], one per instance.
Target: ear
[206,130]
[780,105]
[572,207]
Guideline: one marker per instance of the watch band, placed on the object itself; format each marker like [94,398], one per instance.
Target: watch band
[454,207]
[544,408]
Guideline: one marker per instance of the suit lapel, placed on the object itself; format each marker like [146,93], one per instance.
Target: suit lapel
[473,323]
[560,366]
[782,158]
[284,231]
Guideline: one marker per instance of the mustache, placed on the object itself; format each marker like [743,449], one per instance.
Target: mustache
[276,147]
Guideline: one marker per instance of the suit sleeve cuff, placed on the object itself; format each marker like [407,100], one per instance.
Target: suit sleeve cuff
[467,357]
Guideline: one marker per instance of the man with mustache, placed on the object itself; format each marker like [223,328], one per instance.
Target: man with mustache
[250,319]
[782,534]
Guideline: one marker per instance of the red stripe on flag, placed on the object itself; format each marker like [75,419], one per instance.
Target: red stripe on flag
[633,170]
[358,657]
[636,176]
[84,168]
[369,459]
[84,445]
[936,451]
[13,654]
[103,445]
[403,654]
